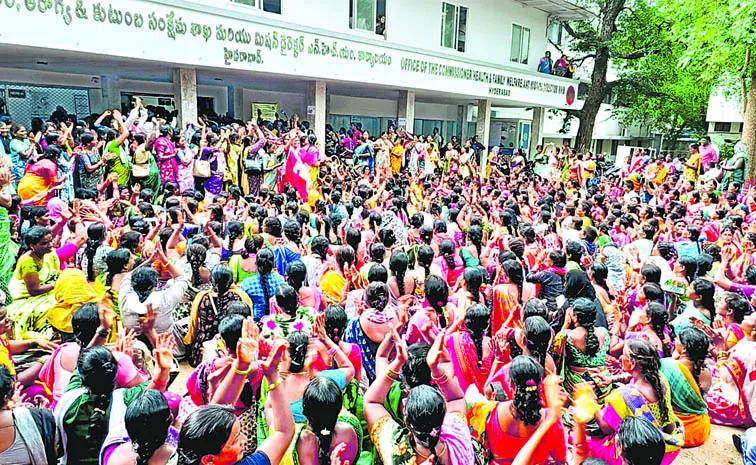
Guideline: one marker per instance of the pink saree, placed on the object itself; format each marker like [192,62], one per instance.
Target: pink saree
[465,361]
[732,397]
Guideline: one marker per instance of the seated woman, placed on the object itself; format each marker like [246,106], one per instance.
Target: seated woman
[469,349]
[689,379]
[400,283]
[369,329]
[449,265]
[732,396]
[118,263]
[40,180]
[32,284]
[328,426]
[582,351]
[435,421]
[148,439]
[27,375]
[244,264]
[534,340]
[509,296]
[653,328]
[208,309]
[213,434]
[469,290]
[648,395]
[91,324]
[290,251]
[503,428]
[29,435]
[343,284]
[71,291]
[139,293]
[90,399]
[308,296]
[261,287]
[427,322]
[302,370]
[731,311]
[289,316]
[700,306]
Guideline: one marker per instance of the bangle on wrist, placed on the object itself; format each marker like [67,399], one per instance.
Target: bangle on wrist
[242,372]
[103,332]
[275,385]
[332,351]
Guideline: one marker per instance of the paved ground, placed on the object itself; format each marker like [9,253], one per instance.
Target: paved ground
[717,451]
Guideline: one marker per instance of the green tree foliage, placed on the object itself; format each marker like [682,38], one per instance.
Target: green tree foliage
[719,38]
[654,90]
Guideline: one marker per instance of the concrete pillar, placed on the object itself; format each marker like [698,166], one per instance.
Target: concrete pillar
[406,110]
[185,95]
[536,129]
[111,93]
[240,111]
[483,131]
[316,110]
[463,114]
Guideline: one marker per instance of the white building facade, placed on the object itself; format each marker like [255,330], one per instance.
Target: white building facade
[423,64]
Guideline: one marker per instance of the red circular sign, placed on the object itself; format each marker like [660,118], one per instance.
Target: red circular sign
[570,95]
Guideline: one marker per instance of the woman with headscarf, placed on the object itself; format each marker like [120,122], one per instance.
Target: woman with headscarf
[611,256]
[390,221]
[735,167]
[577,285]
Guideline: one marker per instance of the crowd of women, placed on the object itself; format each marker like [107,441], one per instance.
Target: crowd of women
[385,305]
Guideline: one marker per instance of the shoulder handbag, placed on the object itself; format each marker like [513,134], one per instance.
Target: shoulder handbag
[140,171]
[202,168]
[253,166]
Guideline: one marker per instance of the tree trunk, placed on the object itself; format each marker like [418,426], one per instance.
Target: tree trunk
[749,132]
[599,87]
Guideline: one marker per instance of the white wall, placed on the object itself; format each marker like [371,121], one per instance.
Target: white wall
[417,23]
[344,105]
[47,78]
[289,102]
[436,111]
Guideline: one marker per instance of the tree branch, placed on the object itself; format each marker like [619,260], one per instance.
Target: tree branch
[633,56]
[556,46]
[580,61]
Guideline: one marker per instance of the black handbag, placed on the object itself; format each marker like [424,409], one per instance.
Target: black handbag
[253,167]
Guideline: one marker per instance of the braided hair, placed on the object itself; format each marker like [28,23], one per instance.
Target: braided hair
[526,375]
[437,294]
[321,404]
[513,270]
[265,264]
[424,414]
[473,282]
[143,281]
[600,273]
[196,255]
[398,264]
[335,323]
[97,368]
[647,358]
[116,261]
[377,252]
[477,321]
[425,256]
[696,344]
[147,420]
[475,235]
[426,234]
[293,232]
[235,230]
[95,237]
[252,245]
[585,312]
[705,290]
[296,274]
[298,342]
[537,338]
[659,318]
[447,251]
